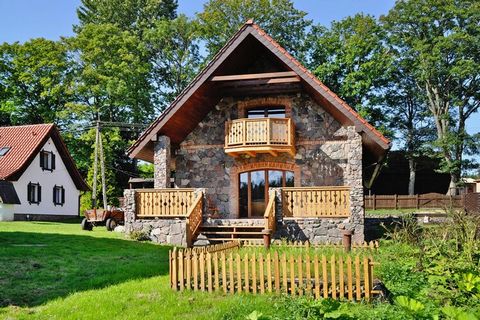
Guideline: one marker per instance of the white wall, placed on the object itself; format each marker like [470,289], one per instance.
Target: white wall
[47,179]
[6,212]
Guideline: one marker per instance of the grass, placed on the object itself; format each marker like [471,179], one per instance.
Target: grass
[57,271]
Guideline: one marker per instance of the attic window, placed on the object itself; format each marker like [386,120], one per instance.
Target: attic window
[3,151]
[47,160]
[266,112]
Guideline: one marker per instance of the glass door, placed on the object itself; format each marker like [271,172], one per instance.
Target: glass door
[253,190]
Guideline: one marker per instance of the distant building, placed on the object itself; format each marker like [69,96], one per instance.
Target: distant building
[38,177]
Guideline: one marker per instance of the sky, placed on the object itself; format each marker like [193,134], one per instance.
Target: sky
[21,20]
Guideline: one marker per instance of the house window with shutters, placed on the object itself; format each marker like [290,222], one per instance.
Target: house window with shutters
[47,160]
[34,193]
[58,195]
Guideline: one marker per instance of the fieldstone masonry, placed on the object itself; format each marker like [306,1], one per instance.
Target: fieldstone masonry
[327,154]
[162,158]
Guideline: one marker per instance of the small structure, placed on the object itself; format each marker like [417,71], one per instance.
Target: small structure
[255,144]
[38,177]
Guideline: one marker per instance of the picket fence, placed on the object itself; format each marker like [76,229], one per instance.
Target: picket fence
[336,277]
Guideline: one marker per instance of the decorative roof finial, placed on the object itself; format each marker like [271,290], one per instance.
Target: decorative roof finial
[249,21]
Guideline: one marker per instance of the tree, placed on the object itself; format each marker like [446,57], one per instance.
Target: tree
[34,81]
[128,15]
[220,19]
[173,49]
[351,58]
[441,38]
[408,117]
[111,78]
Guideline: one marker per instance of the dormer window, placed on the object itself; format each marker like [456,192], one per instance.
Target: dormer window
[47,160]
[266,112]
[4,150]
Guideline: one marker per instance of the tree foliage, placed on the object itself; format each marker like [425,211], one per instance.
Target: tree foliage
[34,81]
[131,15]
[220,19]
[351,59]
[441,39]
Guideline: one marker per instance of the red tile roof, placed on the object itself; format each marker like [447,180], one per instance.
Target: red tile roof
[24,143]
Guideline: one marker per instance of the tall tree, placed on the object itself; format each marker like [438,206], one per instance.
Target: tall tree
[351,58]
[442,39]
[174,51]
[220,19]
[131,15]
[34,81]
[111,78]
[409,119]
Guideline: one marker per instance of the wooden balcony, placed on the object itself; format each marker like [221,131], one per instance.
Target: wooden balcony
[262,135]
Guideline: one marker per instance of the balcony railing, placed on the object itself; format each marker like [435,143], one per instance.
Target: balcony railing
[263,135]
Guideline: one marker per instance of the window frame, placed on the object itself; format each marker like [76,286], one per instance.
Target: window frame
[47,160]
[4,150]
[60,191]
[37,194]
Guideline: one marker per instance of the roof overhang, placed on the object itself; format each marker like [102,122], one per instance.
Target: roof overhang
[197,99]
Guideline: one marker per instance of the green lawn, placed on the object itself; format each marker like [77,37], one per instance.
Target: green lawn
[57,271]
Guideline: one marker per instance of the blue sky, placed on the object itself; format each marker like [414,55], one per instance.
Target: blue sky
[21,20]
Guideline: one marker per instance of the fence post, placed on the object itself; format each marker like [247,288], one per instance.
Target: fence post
[418,201]
[396,201]
[266,238]
[347,240]
[374,202]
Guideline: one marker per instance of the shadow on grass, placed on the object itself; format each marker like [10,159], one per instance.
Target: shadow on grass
[38,267]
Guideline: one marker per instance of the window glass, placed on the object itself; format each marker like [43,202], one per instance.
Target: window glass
[275,179]
[243,195]
[266,112]
[289,179]
[3,151]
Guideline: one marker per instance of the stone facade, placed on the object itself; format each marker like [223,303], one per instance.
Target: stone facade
[327,154]
[166,231]
[162,158]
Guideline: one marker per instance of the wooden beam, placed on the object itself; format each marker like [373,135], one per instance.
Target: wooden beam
[258,82]
[271,89]
[251,76]
[251,153]
[273,153]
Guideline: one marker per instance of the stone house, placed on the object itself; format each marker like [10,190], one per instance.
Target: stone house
[255,145]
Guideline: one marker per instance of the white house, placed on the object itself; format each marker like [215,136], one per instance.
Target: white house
[38,177]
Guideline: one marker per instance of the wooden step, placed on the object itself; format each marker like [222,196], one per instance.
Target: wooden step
[234,239]
[232,227]
[232,232]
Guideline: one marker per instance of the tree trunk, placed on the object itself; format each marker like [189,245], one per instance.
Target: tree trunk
[411,181]
[452,187]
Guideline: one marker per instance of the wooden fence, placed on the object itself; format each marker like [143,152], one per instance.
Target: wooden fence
[336,277]
[372,245]
[419,201]
[316,201]
[167,202]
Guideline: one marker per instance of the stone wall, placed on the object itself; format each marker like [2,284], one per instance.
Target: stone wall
[165,231]
[327,154]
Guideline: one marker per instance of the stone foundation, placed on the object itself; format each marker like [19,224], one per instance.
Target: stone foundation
[42,217]
[315,230]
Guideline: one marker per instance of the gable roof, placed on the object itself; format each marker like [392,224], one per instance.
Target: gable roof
[25,142]
[197,94]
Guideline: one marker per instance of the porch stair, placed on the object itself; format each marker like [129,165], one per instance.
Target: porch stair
[224,230]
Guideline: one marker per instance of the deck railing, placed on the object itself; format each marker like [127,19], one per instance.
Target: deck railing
[168,203]
[194,218]
[273,134]
[316,201]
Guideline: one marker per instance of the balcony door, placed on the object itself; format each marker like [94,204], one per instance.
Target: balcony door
[254,186]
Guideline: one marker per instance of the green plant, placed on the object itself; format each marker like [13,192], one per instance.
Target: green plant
[139,235]
[455,313]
